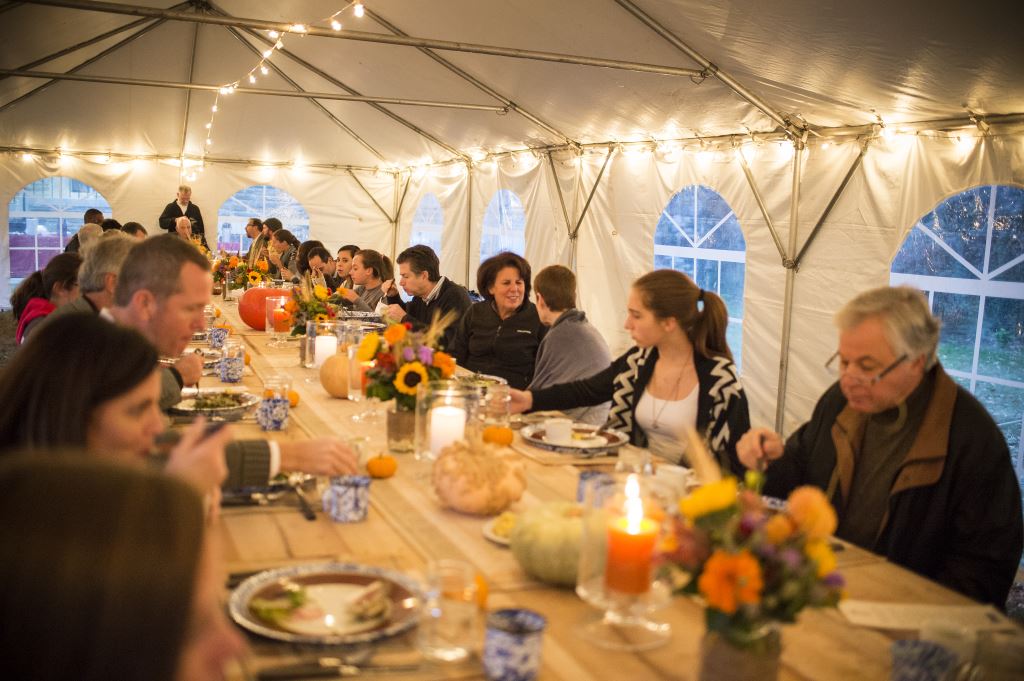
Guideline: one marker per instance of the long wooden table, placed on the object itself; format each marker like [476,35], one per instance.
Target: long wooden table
[407,527]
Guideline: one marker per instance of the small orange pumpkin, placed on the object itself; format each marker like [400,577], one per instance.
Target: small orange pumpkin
[499,435]
[381,466]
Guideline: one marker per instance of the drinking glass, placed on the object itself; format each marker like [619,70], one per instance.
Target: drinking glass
[272,412]
[279,320]
[448,630]
[232,361]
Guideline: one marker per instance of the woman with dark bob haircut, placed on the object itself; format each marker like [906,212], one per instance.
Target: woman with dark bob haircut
[500,334]
[44,291]
[678,376]
[107,574]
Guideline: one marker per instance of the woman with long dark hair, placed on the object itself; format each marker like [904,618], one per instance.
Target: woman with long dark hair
[369,272]
[679,374]
[107,574]
[500,334]
[283,253]
[44,291]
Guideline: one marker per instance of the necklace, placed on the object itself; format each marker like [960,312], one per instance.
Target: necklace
[656,415]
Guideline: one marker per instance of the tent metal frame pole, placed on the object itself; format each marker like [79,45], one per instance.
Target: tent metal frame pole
[364,36]
[337,83]
[85,43]
[763,208]
[476,82]
[915,126]
[188,95]
[574,235]
[561,197]
[9,5]
[708,68]
[304,94]
[113,48]
[368,193]
[828,208]
[469,220]
[399,204]
[787,309]
[317,105]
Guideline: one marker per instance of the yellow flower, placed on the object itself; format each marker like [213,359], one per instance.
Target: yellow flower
[394,333]
[778,529]
[444,362]
[810,511]
[821,553]
[321,318]
[320,292]
[368,347]
[254,277]
[410,376]
[730,580]
[709,498]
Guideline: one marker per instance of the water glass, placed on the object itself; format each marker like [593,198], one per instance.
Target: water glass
[496,405]
[448,629]
[512,646]
[232,361]
[272,413]
[347,499]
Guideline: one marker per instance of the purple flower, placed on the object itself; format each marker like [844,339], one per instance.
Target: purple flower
[791,558]
[834,580]
[408,354]
[426,355]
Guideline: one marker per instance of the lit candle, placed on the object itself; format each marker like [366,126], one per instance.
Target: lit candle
[281,319]
[324,347]
[631,540]
[447,424]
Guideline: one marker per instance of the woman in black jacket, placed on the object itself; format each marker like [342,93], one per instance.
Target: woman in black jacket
[500,334]
[678,375]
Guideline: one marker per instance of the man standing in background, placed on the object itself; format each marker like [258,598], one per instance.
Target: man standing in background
[93,216]
[182,206]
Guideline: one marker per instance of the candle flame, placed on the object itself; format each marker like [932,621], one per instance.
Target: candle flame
[634,505]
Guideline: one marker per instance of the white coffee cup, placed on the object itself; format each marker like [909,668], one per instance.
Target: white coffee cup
[558,431]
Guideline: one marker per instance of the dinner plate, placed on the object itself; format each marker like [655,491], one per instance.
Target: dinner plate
[324,618]
[188,406]
[488,531]
[198,337]
[211,356]
[587,440]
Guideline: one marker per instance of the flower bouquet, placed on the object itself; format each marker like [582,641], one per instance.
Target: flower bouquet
[236,273]
[310,303]
[754,568]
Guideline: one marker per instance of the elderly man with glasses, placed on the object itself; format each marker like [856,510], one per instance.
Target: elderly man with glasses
[915,467]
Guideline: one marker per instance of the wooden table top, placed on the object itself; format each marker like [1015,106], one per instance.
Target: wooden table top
[407,527]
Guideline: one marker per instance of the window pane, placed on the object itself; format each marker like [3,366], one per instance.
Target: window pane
[428,224]
[259,201]
[1006,405]
[732,287]
[504,225]
[684,265]
[734,336]
[1015,273]
[728,237]
[668,232]
[707,275]
[1002,341]
[662,262]
[959,315]
[961,221]
[921,255]
[680,208]
[1007,227]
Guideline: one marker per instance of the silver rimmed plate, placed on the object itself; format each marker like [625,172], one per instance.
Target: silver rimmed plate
[587,440]
[324,618]
[195,402]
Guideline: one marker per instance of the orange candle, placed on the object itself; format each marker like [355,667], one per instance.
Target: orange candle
[363,368]
[281,320]
[631,540]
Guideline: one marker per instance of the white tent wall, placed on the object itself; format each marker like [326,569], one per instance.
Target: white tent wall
[449,185]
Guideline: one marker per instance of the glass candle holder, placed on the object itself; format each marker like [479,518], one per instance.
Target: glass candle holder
[232,361]
[323,339]
[445,412]
[495,404]
[279,320]
[621,529]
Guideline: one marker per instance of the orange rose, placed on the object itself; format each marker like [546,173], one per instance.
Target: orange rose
[291,307]
[233,262]
[444,362]
[262,265]
[394,333]
[811,512]
[730,580]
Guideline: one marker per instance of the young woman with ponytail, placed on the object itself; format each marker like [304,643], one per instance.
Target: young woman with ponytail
[44,291]
[678,375]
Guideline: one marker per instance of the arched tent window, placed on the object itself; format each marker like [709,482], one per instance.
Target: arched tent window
[43,217]
[699,235]
[967,255]
[504,225]
[428,224]
[260,201]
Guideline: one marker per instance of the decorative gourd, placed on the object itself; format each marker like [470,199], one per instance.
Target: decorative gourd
[334,375]
[546,542]
[381,466]
[478,477]
[252,307]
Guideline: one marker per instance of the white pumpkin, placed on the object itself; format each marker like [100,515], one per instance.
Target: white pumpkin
[478,478]
[546,542]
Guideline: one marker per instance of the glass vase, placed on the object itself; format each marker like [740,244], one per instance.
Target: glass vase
[731,654]
[401,430]
[446,411]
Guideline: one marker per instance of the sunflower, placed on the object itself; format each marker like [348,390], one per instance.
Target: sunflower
[254,278]
[321,292]
[368,347]
[410,376]
[321,318]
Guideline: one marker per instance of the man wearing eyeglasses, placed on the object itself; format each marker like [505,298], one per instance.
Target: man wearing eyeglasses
[915,467]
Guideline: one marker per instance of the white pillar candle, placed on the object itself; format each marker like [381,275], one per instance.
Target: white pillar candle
[447,424]
[324,347]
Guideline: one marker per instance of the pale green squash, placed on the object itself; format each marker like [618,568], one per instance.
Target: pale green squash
[546,542]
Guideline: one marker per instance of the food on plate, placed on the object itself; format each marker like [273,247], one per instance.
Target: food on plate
[381,466]
[223,400]
[373,602]
[276,610]
[478,477]
[504,524]
[546,542]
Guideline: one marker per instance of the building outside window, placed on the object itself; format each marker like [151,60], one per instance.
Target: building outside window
[260,201]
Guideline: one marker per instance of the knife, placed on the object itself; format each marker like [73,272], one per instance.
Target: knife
[326,668]
[307,511]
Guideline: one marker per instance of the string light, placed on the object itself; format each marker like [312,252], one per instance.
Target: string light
[27,157]
[252,78]
[273,34]
[297,28]
[965,142]
[358,10]
[335,24]
[264,70]
[213,108]
[267,53]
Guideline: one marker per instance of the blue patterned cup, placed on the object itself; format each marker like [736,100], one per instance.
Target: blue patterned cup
[512,646]
[232,362]
[347,499]
[272,412]
[594,479]
[921,661]
[217,336]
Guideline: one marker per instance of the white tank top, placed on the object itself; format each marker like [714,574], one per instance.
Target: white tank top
[671,416]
